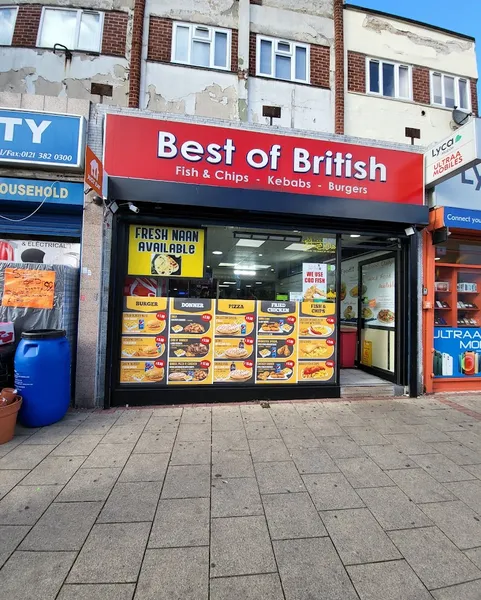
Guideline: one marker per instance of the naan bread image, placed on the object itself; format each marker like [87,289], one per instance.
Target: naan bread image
[165,265]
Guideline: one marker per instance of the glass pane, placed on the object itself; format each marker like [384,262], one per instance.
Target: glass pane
[403,82]
[283,67]
[437,89]
[388,80]
[181,44]
[220,49]
[265,62]
[374,76]
[283,47]
[200,54]
[463,93]
[89,34]
[449,99]
[58,27]
[7,24]
[301,64]
[200,32]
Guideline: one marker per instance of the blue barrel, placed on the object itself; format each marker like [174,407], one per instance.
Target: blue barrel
[42,376]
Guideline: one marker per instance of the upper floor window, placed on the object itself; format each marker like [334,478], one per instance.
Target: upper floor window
[75,29]
[201,46]
[388,79]
[281,59]
[8,16]
[450,91]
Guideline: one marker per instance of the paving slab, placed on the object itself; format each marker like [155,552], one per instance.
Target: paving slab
[366,436]
[54,470]
[134,416]
[235,497]
[34,575]
[96,425]
[442,468]
[326,428]
[181,522]
[168,411]
[331,491]
[191,453]
[311,569]
[433,557]
[459,522]
[131,502]
[191,481]
[25,456]
[467,491]
[158,424]
[26,503]
[292,516]
[392,508]
[112,553]
[10,538]
[93,591]
[9,479]
[240,546]
[419,486]
[123,434]
[429,434]
[89,485]
[363,472]
[109,455]
[9,446]
[232,464]
[260,430]
[194,432]
[278,477]
[268,450]
[145,467]
[151,442]
[313,460]
[341,447]
[196,414]
[409,444]
[299,438]
[62,527]
[464,591]
[77,445]
[458,453]
[49,436]
[394,580]
[226,422]
[252,413]
[358,537]
[183,575]
[228,441]
[247,587]
[389,457]
[474,555]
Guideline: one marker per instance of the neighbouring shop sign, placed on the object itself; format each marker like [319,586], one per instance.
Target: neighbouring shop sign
[457,352]
[154,149]
[25,288]
[462,219]
[40,251]
[42,139]
[454,154]
[166,251]
[38,190]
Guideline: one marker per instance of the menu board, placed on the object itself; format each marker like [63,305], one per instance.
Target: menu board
[234,344]
[190,342]
[316,343]
[379,300]
[144,340]
[276,342]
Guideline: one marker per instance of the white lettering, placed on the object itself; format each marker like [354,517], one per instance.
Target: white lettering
[37,130]
[9,123]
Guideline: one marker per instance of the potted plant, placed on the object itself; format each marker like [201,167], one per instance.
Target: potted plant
[10,403]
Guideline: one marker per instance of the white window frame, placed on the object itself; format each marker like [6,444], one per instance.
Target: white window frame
[79,12]
[396,66]
[457,79]
[276,52]
[212,31]
[15,8]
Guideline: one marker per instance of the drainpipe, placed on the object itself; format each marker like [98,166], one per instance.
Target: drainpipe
[243,60]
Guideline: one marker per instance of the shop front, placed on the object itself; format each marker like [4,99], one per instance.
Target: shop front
[249,265]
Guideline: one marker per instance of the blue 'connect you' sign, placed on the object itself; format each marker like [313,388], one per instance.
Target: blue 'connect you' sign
[41,139]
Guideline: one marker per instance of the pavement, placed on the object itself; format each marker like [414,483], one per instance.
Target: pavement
[369,499]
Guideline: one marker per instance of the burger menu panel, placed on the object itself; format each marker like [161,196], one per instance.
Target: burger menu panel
[317,328]
[235,337]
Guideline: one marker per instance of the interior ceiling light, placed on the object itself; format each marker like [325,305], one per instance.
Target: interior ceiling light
[226,264]
[437,258]
[249,267]
[229,282]
[250,243]
[258,282]
[248,286]
[299,247]
[253,235]
[217,252]
[223,285]
[355,235]
[242,272]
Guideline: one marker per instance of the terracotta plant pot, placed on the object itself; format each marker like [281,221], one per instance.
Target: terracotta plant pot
[8,418]
[9,394]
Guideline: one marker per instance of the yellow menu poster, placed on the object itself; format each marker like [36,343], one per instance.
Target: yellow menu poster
[190,341]
[166,251]
[317,338]
[234,342]
[144,316]
[276,356]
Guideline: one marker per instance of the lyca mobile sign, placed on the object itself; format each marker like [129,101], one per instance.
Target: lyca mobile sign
[41,139]
[206,155]
[454,154]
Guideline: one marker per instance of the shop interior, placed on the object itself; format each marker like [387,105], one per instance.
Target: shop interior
[250,263]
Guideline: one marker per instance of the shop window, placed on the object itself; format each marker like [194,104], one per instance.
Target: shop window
[450,91]
[388,79]
[8,16]
[75,29]
[201,46]
[282,59]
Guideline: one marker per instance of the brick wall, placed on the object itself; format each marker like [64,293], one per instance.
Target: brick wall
[252,54]
[136,54]
[234,59]
[26,25]
[474,97]
[160,39]
[115,33]
[421,88]
[356,72]
[320,63]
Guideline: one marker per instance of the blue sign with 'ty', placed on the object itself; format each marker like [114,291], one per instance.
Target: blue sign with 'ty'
[42,139]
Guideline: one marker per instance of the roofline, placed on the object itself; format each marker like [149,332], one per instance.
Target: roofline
[407,20]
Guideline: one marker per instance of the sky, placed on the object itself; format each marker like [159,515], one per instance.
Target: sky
[461,16]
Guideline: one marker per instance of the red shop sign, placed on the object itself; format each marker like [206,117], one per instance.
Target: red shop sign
[142,148]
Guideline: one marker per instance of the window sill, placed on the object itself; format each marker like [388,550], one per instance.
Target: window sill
[219,69]
[176,64]
[389,99]
[311,85]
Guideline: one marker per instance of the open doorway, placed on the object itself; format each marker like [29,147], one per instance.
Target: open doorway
[369,311]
